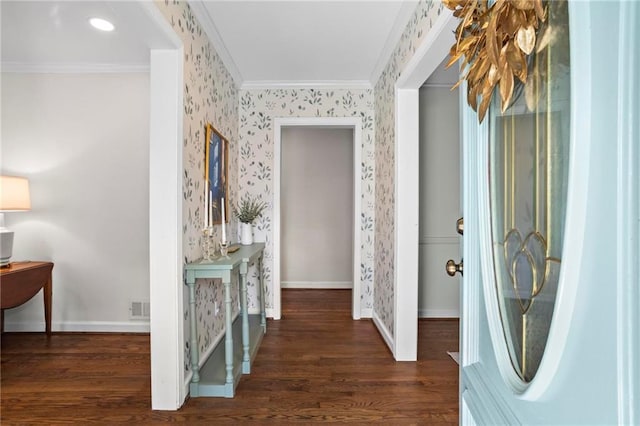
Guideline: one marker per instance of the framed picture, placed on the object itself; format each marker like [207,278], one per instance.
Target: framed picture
[216,172]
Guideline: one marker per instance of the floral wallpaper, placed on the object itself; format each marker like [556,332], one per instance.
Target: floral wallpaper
[258,108]
[210,96]
[246,118]
[419,25]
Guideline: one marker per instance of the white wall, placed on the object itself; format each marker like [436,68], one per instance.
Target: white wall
[439,294]
[83,141]
[317,207]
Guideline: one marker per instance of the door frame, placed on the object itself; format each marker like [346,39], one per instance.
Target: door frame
[427,57]
[354,123]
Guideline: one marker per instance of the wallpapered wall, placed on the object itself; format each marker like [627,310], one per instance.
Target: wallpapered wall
[210,96]
[419,25]
[258,108]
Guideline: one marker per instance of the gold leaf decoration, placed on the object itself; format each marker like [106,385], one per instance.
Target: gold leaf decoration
[494,41]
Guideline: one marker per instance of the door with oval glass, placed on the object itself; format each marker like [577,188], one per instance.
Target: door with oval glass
[548,335]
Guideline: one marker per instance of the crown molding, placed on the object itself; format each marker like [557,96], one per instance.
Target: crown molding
[202,15]
[399,25]
[440,85]
[306,84]
[72,68]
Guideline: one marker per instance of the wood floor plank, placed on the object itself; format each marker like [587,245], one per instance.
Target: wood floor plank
[316,365]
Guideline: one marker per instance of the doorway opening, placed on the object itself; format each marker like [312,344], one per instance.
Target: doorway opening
[316,208]
[440,197]
[284,126]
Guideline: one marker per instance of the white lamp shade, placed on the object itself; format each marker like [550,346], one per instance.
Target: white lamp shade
[14,194]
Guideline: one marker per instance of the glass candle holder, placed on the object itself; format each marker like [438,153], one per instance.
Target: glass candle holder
[208,244]
[224,249]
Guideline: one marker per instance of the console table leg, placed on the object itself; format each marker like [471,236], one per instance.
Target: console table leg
[263,315]
[246,358]
[195,357]
[228,341]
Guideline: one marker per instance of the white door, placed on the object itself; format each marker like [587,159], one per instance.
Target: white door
[550,330]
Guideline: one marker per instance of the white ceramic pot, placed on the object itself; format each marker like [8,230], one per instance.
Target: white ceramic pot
[246,234]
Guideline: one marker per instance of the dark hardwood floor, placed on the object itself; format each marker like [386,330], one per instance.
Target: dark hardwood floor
[314,365]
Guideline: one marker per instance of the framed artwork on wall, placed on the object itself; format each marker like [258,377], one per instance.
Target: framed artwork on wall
[216,173]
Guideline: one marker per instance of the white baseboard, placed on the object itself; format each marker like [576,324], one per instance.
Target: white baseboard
[82,327]
[386,336]
[438,313]
[366,313]
[269,312]
[330,285]
[187,383]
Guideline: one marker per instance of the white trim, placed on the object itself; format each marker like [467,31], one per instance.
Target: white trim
[165,229]
[433,49]
[332,122]
[628,256]
[405,13]
[186,386]
[202,14]
[438,313]
[366,312]
[335,285]
[407,180]
[439,240]
[382,329]
[438,85]
[305,84]
[73,68]
[81,326]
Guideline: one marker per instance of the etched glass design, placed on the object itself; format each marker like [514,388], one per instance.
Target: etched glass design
[529,151]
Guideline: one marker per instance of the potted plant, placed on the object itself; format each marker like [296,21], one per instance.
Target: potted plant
[247,210]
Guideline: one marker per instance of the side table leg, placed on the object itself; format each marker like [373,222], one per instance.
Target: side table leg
[48,291]
[246,358]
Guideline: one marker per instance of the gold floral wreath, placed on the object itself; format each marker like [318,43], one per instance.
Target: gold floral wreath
[495,42]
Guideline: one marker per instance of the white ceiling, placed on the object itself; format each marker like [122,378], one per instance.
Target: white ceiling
[305,41]
[54,35]
[263,43]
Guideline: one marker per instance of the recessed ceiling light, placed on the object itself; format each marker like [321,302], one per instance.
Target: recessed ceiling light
[101,24]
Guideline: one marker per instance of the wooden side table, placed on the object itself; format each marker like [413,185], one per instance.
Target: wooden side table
[23,280]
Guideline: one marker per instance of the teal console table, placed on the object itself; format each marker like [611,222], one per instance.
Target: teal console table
[222,370]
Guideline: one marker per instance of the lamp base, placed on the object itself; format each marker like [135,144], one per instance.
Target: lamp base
[6,247]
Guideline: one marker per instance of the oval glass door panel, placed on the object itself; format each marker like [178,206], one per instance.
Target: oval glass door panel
[529,160]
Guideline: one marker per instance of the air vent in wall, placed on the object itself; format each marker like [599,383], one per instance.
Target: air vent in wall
[140,310]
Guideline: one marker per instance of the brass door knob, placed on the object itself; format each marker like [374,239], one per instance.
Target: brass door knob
[452,267]
[460,226]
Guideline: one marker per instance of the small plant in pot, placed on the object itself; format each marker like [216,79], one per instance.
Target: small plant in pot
[248,210]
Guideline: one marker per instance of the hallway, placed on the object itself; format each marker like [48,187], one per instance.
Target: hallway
[314,365]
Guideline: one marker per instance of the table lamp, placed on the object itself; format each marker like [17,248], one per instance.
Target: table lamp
[14,197]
